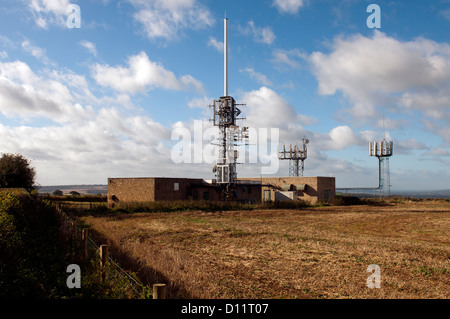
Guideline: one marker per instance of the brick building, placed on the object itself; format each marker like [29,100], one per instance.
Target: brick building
[147,189]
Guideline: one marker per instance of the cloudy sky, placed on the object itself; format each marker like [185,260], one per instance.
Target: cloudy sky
[103,98]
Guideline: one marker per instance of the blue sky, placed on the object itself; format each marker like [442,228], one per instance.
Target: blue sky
[84,104]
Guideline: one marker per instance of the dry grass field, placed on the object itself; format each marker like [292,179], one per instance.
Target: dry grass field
[318,252]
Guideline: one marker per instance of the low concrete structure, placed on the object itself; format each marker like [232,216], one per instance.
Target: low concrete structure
[309,189]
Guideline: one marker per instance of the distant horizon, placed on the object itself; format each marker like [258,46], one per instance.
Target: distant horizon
[393,190]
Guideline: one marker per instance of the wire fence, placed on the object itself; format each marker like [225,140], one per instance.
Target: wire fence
[120,278]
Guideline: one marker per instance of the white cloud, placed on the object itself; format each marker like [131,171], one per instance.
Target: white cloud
[445,14]
[25,94]
[290,58]
[260,34]
[437,151]
[56,6]
[79,144]
[90,47]
[306,120]
[341,137]
[266,109]
[110,144]
[37,52]
[442,130]
[142,75]
[258,77]
[434,102]
[190,82]
[218,45]
[167,18]
[338,138]
[288,6]
[201,103]
[383,71]
[404,65]
[49,11]
[7,42]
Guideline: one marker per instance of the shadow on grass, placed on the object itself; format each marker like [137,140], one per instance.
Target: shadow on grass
[146,273]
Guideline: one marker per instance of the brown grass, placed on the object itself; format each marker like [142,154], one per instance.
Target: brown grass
[320,252]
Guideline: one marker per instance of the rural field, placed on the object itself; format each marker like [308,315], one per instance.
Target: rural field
[315,252]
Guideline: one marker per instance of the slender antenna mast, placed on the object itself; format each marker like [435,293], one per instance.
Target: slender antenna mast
[225,53]
[225,116]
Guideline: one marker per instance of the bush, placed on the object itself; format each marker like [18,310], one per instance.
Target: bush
[205,206]
[347,200]
[33,258]
[76,198]
[15,172]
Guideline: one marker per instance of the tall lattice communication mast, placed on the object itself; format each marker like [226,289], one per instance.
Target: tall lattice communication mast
[225,115]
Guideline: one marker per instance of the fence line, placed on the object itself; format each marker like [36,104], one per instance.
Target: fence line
[70,228]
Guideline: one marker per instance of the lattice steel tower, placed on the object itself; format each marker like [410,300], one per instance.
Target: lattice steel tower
[296,157]
[225,115]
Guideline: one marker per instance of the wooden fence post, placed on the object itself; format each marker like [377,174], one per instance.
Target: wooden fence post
[74,231]
[84,242]
[159,291]
[103,259]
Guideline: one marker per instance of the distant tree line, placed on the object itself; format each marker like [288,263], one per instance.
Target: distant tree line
[59,192]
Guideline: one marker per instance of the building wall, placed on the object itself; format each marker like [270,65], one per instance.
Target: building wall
[174,188]
[130,190]
[324,185]
[243,193]
[248,193]
[148,189]
[317,188]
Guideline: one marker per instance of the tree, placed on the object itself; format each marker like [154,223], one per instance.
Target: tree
[58,193]
[16,172]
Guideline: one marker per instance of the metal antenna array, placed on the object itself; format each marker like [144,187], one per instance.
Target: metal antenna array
[296,157]
[382,150]
[225,115]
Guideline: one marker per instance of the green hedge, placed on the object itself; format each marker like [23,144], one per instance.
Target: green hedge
[206,206]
